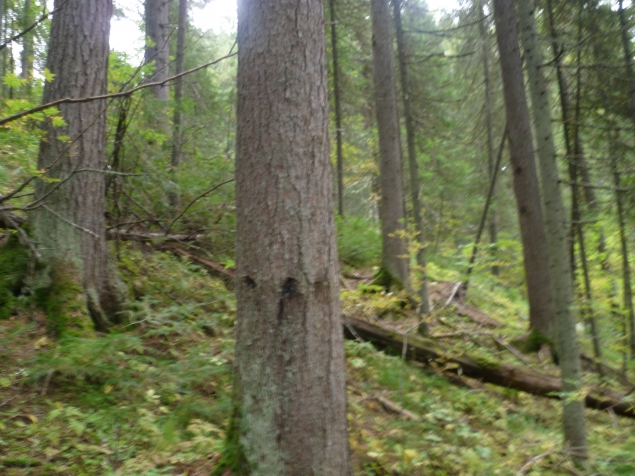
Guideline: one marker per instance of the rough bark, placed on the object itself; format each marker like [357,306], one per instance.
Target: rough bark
[26,57]
[489,111]
[290,395]
[539,288]
[391,207]
[556,228]
[412,161]
[338,111]
[157,50]
[177,132]
[69,227]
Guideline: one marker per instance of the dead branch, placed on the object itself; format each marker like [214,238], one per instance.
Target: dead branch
[125,235]
[58,102]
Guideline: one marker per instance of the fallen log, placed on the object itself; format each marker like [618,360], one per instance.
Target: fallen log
[204,262]
[427,352]
[124,235]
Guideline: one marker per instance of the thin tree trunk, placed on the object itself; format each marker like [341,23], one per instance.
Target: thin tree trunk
[628,61]
[556,228]
[177,132]
[488,201]
[26,57]
[412,162]
[394,252]
[3,53]
[489,110]
[626,270]
[70,227]
[157,51]
[628,58]
[290,394]
[539,288]
[338,111]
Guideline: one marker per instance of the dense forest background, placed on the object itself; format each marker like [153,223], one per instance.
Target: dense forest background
[127,368]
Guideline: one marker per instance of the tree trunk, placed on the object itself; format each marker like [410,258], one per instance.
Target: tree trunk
[539,289]
[338,111]
[556,227]
[26,57]
[391,209]
[626,270]
[290,394]
[3,53]
[412,162]
[489,109]
[157,50]
[177,132]
[70,226]
[628,57]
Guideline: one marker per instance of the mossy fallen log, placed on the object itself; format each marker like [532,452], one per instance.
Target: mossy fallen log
[428,352]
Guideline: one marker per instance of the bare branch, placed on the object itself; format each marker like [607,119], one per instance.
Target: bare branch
[193,201]
[58,102]
[34,25]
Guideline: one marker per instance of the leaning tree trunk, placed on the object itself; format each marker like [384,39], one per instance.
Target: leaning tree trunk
[539,289]
[157,50]
[556,227]
[290,394]
[69,226]
[391,208]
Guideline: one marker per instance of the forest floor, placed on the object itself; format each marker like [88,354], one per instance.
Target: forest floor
[153,397]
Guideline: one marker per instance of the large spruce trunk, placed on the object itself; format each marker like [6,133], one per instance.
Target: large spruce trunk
[566,339]
[536,260]
[290,394]
[69,226]
[391,206]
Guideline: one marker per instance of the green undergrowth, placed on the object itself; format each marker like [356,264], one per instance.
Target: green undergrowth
[153,396]
[14,261]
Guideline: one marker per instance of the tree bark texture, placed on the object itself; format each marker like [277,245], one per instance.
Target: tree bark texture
[412,160]
[70,226]
[26,57]
[556,228]
[157,50]
[489,111]
[290,394]
[391,207]
[177,131]
[338,111]
[539,288]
